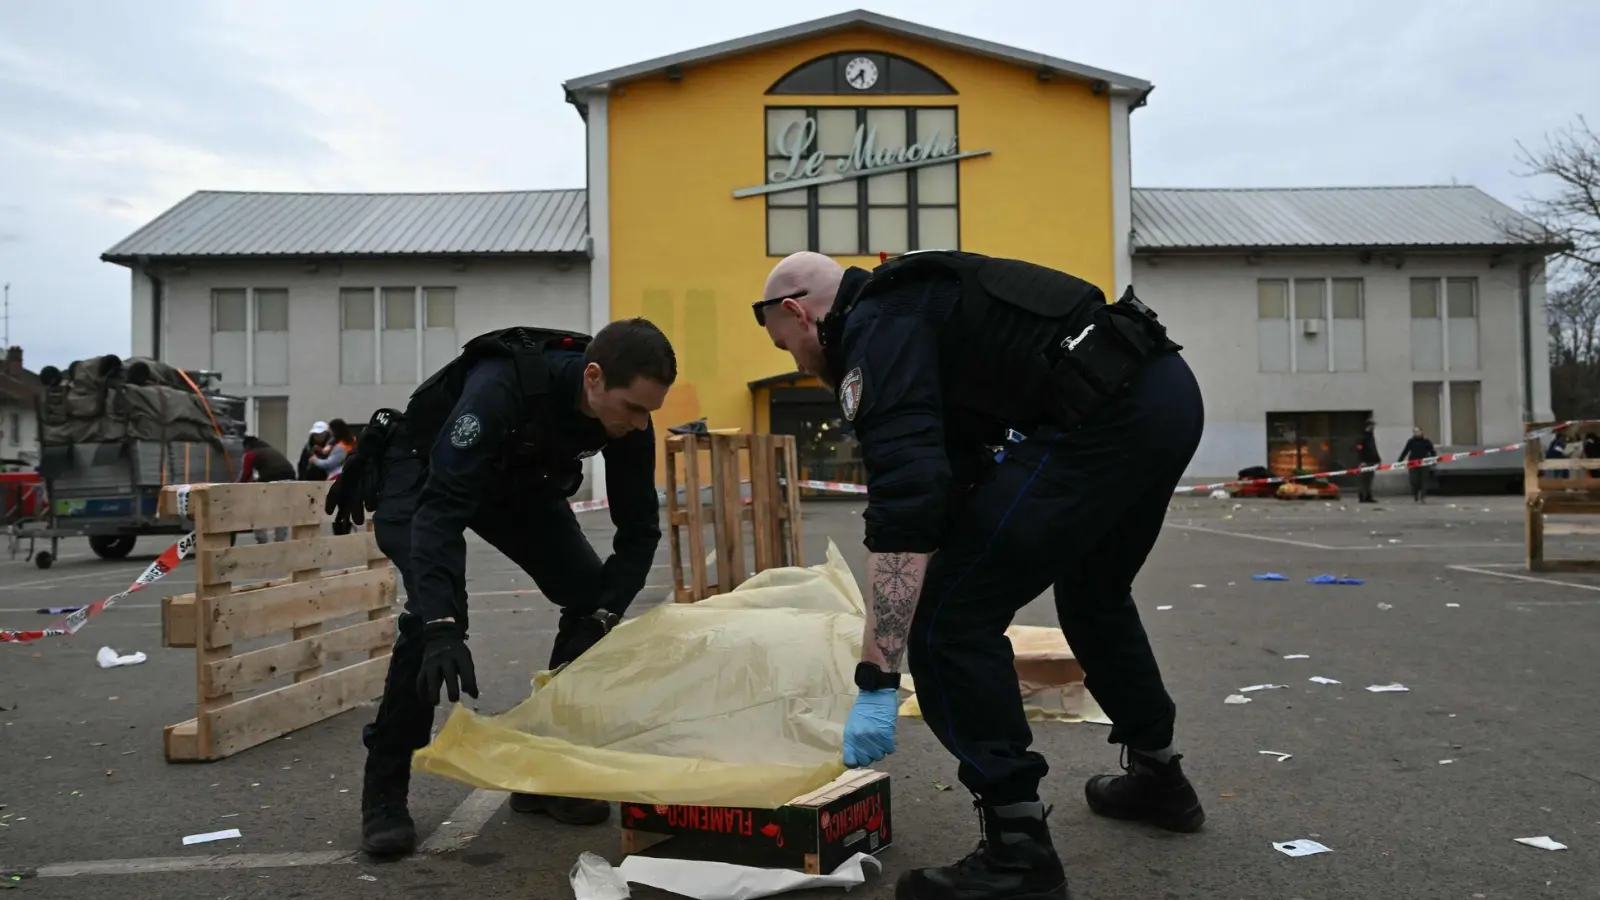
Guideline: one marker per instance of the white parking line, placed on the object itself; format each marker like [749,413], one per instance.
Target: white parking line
[195,863]
[1261,537]
[1483,569]
[458,830]
[465,821]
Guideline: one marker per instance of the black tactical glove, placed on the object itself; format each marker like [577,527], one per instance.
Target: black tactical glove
[344,495]
[445,663]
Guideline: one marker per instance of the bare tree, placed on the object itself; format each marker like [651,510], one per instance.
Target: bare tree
[1568,217]
[1566,221]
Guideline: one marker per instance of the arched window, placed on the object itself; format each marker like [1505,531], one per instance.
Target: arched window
[861,72]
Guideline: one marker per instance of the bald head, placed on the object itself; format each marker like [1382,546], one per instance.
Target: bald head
[807,282]
[815,274]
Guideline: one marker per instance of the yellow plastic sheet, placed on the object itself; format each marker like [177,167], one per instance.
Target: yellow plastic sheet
[738,700]
[1048,674]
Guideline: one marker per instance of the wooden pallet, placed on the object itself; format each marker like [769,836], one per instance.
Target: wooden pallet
[1578,495]
[319,579]
[772,511]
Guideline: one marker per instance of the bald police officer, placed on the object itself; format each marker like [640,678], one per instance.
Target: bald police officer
[495,443]
[939,360]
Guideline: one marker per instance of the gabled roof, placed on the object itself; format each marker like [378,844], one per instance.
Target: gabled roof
[856,19]
[1324,218]
[240,225]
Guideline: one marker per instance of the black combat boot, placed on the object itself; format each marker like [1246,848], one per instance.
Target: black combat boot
[1148,791]
[566,810]
[386,826]
[1014,861]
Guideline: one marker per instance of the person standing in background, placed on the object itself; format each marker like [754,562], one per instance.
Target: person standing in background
[331,458]
[1367,454]
[1416,449]
[314,443]
[263,462]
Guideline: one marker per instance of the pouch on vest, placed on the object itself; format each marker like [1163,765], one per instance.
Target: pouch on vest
[1095,364]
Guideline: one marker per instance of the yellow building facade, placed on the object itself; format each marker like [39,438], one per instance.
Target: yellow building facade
[854,135]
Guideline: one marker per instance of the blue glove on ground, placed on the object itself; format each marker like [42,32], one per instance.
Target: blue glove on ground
[869,733]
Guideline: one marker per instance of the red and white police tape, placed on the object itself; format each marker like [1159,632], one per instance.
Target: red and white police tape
[169,559]
[76,619]
[157,570]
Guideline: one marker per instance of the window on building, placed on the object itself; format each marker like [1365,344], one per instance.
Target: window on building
[16,428]
[230,330]
[358,336]
[1311,325]
[272,422]
[1272,324]
[269,345]
[1348,335]
[439,341]
[1444,324]
[1461,323]
[914,209]
[399,340]
[1425,408]
[1464,410]
[396,335]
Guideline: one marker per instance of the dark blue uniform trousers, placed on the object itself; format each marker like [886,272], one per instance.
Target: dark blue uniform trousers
[1078,511]
[541,535]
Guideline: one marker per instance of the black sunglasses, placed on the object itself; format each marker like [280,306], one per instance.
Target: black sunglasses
[760,306]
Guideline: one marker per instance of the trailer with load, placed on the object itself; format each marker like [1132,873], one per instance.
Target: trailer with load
[112,433]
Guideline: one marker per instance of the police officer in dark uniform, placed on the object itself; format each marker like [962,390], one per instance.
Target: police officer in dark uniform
[494,442]
[1019,433]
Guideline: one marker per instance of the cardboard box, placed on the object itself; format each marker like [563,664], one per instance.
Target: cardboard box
[815,832]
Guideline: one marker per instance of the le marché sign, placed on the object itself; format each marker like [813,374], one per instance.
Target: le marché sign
[807,167]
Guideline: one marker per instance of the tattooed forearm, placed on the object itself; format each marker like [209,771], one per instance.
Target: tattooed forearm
[896,585]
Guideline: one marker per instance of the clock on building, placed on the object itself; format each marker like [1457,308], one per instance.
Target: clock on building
[861,73]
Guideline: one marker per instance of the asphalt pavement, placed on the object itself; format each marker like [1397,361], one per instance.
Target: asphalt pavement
[1420,793]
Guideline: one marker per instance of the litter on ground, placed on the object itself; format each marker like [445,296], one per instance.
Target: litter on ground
[1543,842]
[1261,687]
[212,836]
[1387,688]
[1236,699]
[1270,576]
[1298,656]
[1333,579]
[1281,756]
[1320,680]
[1301,847]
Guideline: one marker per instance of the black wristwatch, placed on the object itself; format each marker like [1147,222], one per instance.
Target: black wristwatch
[871,678]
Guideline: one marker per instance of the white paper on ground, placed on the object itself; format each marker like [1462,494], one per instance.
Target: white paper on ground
[724,881]
[1281,756]
[1321,680]
[1261,687]
[1453,605]
[212,836]
[109,659]
[1162,608]
[1236,699]
[1543,843]
[1298,656]
[1387,688]
[1301,847]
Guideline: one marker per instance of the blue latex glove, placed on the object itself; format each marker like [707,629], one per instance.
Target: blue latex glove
[869,733]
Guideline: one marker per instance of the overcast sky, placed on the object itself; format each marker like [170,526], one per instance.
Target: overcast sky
[113,111]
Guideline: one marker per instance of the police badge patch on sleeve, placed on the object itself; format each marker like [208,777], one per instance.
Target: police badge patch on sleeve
[465,432]
[850,393]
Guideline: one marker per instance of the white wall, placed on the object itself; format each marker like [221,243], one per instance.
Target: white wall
[489,294]
[25,444]
[1209,305]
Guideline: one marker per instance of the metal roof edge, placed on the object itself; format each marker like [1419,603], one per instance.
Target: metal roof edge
[1238,249]
[790,33]
[129,259]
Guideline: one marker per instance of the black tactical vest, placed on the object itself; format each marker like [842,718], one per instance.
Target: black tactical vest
[433,400]
[996,345]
